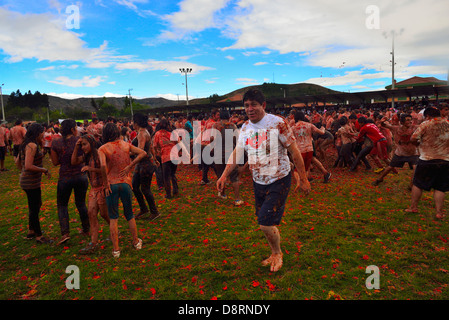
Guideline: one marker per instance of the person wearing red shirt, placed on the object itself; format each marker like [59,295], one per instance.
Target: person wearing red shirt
[163,143]
[375,139]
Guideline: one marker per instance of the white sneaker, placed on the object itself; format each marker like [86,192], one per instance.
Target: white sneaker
[138,245]
[116,254]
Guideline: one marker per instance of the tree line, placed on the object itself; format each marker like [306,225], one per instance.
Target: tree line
[35,107]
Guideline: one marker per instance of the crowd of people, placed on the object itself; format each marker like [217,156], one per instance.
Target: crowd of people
[116,159]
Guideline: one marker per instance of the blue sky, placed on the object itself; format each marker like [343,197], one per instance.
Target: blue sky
[106,47]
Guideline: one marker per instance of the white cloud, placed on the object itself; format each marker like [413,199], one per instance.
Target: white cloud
[247,81]
[153,65]
[41,37]
[336,31]
[171,96]
[46,68]
[193,16]
[230,57]
[87,81]
[260,63]
[132,5]
[72,96]
[325,33]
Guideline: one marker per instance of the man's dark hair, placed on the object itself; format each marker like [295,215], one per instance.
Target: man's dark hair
[403,117]
[343,120]
[255,95]
[362,120]
[141,120]
[432,112]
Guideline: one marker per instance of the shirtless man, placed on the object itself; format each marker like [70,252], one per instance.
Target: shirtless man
[4,136]
[17,134]
[94,128]
[271,170]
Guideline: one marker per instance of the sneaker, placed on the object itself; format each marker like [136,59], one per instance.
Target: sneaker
[116,254]
[238,202]
[44,240]
[154,216]
[221,195]
[327,177]
[64,239]
[203,183]
[91,248]
[138,245]
[376,182]
[30,235]
[141,214]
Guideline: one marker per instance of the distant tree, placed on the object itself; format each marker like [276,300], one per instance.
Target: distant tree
[93,104]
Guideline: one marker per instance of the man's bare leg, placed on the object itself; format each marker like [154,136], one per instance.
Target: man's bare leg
[416,196]
[274,240]
[438,197]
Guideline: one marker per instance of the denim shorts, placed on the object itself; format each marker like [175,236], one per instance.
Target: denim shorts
[270,201]
[123,192]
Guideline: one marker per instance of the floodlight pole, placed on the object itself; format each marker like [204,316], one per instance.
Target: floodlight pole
[186,71]
[131,102]
[392,72]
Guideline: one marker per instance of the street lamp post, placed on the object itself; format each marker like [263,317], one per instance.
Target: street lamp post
[186,71]
[131,102]
[3,109]
[392,72]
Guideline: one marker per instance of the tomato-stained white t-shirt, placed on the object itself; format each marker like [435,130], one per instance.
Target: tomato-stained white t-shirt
[266,144]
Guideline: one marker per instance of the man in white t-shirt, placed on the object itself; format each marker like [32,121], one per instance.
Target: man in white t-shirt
[268,140]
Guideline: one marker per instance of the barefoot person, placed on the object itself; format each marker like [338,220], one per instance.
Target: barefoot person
[96,199]
[432,169]
[271,170]
[116,170]
[29,161]
[17,134]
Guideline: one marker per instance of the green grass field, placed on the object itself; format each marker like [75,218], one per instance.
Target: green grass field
[204,248]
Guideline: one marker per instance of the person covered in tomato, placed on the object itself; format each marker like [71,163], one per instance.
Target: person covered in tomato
[267,139]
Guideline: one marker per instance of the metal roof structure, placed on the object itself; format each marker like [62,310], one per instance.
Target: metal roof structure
[334,98]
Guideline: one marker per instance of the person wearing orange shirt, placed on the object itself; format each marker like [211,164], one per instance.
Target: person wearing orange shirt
[116,169]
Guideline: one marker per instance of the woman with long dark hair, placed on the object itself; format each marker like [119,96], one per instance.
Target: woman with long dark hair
[96,199]
[29,161]
[71,178]
[143,173]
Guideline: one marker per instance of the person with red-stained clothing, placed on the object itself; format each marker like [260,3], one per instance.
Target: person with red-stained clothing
[375,140]
[271,171]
